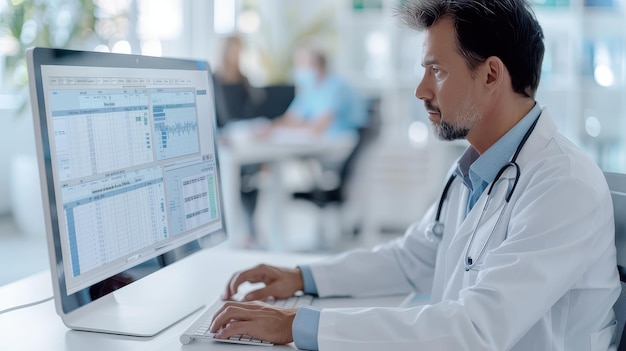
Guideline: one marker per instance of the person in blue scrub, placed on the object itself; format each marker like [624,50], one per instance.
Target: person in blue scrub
[324,103]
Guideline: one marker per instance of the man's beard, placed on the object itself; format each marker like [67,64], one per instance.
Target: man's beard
[446,131]
[466,116]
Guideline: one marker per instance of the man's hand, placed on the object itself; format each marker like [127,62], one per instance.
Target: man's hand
[280,283]
[256,319]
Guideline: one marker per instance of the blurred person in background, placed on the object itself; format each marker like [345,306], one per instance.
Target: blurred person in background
[237,100]
[324,103]
[324,106]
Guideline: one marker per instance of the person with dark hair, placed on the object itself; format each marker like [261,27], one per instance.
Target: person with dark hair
[237,100]
[517,254]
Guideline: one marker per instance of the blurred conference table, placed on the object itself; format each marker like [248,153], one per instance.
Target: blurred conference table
[241,146]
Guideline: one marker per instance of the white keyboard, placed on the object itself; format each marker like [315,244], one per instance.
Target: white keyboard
[200,328]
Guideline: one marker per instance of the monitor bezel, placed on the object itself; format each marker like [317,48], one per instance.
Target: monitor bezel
[38,57]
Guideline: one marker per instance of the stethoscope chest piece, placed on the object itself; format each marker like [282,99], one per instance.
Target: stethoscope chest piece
[434,231]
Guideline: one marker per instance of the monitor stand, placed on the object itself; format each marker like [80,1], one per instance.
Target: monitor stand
[147,306]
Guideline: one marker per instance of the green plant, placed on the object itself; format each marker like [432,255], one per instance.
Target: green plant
[50,23]
[275,51]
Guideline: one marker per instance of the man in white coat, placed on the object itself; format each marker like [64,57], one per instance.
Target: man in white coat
[528,264]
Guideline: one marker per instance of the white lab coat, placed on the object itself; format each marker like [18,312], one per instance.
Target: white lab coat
[547,281]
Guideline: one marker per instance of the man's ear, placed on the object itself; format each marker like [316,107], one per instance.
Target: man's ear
[494,72]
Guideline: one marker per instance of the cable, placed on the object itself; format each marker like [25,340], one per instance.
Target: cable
[10,309]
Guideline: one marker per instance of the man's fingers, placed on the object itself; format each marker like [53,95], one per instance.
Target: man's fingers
[257,295]
[226,315]
[256,319]
[235,281]
[234,310]
[235,328]
[258,274]
[265,293]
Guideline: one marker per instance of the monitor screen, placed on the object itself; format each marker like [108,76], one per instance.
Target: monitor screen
[129,167]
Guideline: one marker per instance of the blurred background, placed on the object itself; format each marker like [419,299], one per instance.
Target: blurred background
[399,168]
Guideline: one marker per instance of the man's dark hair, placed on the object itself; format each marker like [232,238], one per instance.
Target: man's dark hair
[319,59]
[507,29]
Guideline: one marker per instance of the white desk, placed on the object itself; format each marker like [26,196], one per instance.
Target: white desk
[39,327]
[271,152]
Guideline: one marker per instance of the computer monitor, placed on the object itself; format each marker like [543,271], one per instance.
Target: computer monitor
[130,185]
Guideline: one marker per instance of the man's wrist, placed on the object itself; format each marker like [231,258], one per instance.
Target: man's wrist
[297,279]
[308,283]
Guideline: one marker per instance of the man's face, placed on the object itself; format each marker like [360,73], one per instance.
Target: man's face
[447,88]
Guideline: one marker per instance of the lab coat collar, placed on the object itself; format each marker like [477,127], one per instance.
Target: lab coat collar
[544,132]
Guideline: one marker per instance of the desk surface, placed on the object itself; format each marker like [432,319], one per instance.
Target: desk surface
[39,327]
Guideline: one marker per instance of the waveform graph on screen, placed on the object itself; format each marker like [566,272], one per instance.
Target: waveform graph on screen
[175,123]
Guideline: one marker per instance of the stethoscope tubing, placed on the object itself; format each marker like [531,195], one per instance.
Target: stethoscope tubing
[469,261]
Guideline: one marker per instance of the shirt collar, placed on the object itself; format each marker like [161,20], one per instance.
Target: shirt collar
[477,170]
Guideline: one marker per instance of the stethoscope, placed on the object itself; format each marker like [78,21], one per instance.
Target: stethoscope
[434,231]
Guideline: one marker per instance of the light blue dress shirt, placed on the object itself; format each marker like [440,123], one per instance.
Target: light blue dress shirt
[477,172]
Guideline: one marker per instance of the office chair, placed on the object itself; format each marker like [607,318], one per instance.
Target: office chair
[277,100]
[232,102]
[330,203]
[322,197]
[617,185]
